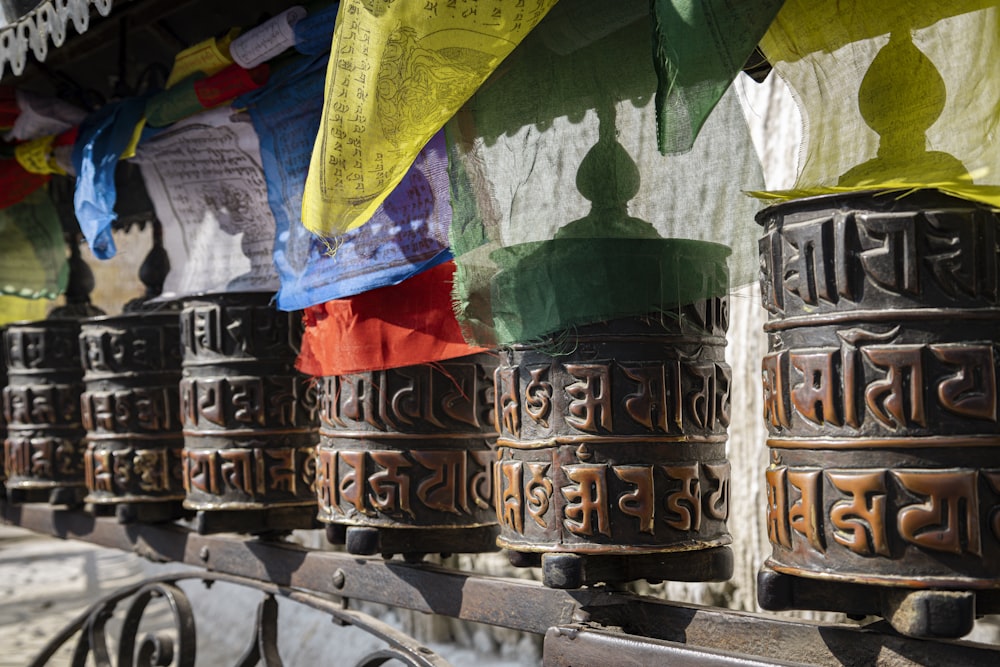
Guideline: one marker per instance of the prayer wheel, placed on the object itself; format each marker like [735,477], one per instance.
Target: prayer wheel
[250,423]
[44,449]
[880,399]
[611,459]
[131,410]
[405,460]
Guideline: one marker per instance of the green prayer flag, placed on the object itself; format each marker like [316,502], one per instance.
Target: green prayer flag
[699,46]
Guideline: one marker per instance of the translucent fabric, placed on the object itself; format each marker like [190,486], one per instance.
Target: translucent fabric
[400,325]
[398,71]
[407,234]
[17,309]
[700,46]
[565,212]
[33,253]
[893,94]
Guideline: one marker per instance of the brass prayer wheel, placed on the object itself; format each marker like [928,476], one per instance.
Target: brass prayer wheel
[880,399]
[43,452]
[611,460]
[405,460]
[250,422]
[131,411]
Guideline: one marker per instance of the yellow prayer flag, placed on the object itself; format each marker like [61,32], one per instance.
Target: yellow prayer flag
[207,57]
[398,71]
[17,309]
[894,95]
[36,156]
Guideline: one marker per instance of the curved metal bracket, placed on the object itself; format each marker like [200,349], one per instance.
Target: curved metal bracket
[178,648]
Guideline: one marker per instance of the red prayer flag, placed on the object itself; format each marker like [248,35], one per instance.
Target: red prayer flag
[400,325]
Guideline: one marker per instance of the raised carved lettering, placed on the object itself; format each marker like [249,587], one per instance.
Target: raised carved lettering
[859,520]
[804,513]
[640,502]
[590,409]
[948,520]
[684,504]
[586,499]
[897,400]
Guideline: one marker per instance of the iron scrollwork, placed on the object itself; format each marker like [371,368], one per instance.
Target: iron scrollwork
[178,648]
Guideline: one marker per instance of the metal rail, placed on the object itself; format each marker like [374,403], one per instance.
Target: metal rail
[586,626]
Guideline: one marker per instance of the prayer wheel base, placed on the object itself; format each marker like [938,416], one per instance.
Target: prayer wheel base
[162,512]
[412,543]
[920,613]
[70,496]
[255,521]
[571,570]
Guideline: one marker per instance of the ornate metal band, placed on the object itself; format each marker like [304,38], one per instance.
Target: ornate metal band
[880,390]
[408,447]
[617,446]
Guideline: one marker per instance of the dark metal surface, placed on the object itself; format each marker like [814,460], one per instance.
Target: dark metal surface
[880,392]
[131,407]
[571,646]
[612,439]
[250,422]
[43,451]
[408,449]
[512,603]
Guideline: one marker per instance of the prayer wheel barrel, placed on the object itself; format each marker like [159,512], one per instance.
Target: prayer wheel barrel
[880,399]
[132,367]
[404,462]
[44,449]
[249,417]
[611,460]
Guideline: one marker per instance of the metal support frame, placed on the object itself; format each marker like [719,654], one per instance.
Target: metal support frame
[612,625]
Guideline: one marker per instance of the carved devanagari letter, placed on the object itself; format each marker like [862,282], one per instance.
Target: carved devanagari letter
[815,398]
[590,409]
[538,395]
[656,402]
[804,513]
[639,502]
[773,377]
[586,499]
[538,491]
[948,520]
[390,486]
[200,471]
[684,504]
[247,396]
[808,270]
[893,263]
[507,410]
[859,521]
[717,499]
[352,480]
[971,390]
[510,503]
[237,469]
[897,400]
[777,507]
[444,489]
[282,471]
[326,480]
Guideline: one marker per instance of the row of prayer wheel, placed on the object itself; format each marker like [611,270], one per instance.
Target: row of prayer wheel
[597,454]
